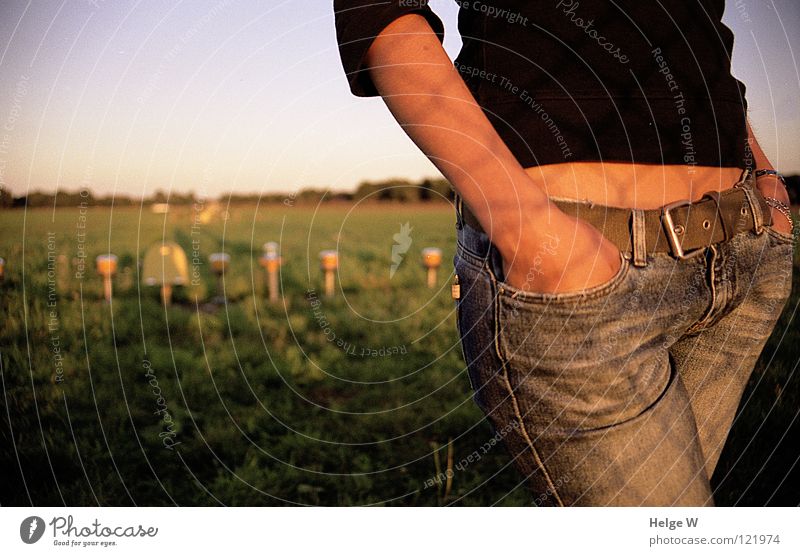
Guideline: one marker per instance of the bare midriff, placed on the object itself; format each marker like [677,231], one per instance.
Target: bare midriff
[620,184]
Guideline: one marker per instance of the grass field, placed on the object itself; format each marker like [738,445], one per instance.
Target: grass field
[357,399]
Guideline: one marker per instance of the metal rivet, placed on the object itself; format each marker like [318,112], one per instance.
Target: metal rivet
[679,229]
[706,224]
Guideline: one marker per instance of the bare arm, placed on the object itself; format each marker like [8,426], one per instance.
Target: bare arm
[759,156]
[427,96]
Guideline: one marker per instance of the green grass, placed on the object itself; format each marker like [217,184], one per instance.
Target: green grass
[262,404]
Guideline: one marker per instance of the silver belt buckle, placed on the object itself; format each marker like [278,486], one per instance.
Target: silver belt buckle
[672,236]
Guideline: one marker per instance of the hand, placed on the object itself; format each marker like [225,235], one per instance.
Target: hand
[771,186]
[570,255]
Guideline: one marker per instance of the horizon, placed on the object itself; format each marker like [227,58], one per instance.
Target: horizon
[225,96]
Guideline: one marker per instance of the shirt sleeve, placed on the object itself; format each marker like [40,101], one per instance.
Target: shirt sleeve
[358,22]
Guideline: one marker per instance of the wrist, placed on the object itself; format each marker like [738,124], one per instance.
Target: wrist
[539,224]
[772,185]
[769,173]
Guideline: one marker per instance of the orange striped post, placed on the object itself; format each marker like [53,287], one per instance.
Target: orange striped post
[432,260]
[271,261]
[329,262]
[106,267]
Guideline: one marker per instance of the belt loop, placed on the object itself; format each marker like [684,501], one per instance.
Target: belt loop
[755,209]
[747,183]
[639,239]
[744,178]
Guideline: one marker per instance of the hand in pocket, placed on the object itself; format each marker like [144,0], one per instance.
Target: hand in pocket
[570,256]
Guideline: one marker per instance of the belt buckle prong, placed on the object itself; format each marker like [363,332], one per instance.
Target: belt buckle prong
[672,236]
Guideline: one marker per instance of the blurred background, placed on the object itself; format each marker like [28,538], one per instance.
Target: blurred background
[221,96]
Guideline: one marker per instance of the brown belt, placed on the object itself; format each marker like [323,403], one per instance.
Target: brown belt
[682,229]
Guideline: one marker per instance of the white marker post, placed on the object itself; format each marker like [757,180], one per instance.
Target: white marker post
[329,262]
[106,267]
[271,261]
[432,260]
[219,264]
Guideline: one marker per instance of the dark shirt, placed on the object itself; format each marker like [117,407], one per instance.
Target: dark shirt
[566,80]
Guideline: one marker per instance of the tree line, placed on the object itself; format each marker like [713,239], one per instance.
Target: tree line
[392,190]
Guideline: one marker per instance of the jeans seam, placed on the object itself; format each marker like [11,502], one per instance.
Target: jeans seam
[514,402]
[463,351]
[468,255]
[788,239]
[705,320]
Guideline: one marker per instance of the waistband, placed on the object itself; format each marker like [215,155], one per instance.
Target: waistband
[682,229]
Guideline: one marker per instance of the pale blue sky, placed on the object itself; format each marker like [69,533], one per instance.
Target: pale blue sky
[223,95]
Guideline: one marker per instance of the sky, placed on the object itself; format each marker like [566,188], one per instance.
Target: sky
[234,95]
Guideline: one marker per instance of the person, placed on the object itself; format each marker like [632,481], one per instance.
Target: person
[624,247]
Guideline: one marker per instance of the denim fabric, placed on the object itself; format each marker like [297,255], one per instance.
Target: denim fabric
[621,394]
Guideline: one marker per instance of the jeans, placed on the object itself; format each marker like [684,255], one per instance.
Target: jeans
[621,394]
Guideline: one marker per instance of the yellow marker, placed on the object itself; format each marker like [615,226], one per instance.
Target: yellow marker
[219,262]
[431,260]
[106,267]
[271,261]
[329,262]
[166,265]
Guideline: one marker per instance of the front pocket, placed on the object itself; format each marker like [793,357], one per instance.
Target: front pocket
[582,365]
[592,293]
[780,237]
